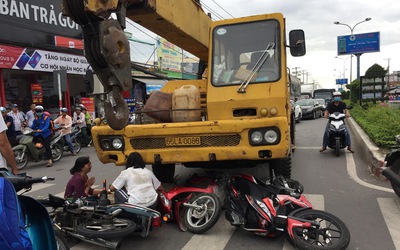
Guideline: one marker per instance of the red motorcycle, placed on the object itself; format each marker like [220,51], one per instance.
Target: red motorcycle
[196,206]
[270,209]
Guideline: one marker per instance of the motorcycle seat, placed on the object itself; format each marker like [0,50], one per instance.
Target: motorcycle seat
[56,201]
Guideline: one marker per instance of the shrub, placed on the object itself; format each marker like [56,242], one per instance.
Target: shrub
[380,123]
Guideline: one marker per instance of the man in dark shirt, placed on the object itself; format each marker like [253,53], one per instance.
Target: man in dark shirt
[336,106]
[8,120]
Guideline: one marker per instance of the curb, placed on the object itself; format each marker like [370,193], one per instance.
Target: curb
[372,153]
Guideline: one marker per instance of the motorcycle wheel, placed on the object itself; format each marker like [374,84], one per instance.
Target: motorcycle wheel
[61,241]
[332,234]
[396,168]
[200,220]
[22,160]
[57,152]
[77,145]
[337,147]
[107,229]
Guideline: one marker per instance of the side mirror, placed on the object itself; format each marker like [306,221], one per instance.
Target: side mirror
[297,43]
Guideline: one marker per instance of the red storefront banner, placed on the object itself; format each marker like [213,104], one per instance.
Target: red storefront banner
[37,93]
[67,42]
[41,60]
[88,102]
[9,55]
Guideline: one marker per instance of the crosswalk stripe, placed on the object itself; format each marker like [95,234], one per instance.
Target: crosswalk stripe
[216,238]
[391,214]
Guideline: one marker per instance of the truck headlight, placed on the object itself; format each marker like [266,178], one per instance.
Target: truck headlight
[117,143]
[271,136]
[256,137]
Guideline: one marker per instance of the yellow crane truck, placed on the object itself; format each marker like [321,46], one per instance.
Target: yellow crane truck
[237,114]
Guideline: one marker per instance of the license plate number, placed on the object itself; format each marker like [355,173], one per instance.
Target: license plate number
[182,141]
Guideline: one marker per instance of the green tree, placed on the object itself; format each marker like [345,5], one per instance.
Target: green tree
[354,87]
[375,71]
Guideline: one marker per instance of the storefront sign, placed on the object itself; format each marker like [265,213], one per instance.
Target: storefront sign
[41,60]
[170,55]
[37,93]
[88,102]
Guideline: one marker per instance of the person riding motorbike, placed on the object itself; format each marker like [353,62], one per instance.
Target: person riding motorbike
[80,185]
[41,125]
[336,106]
[79,119]
[65,123]
[140,183]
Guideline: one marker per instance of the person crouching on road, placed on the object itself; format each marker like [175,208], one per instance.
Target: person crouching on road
[80,185]
[41,125]
[65,123]
[140,183]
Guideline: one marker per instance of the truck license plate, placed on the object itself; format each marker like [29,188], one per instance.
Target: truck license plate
[182,141]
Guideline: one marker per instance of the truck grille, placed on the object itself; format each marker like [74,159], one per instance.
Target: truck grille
[206,141]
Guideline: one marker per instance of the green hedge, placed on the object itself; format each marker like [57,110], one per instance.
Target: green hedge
[379,122]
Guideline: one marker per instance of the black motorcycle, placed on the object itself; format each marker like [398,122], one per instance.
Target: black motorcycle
[390,167]
[337,132]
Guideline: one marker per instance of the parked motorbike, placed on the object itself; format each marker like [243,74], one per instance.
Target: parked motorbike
[390,167]
[271,209]
[74,135]
[26,151]
[196,206]
[38,223]
[337,132]
[97,221]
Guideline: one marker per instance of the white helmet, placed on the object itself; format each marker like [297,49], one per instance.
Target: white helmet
[337,93]
[39,110]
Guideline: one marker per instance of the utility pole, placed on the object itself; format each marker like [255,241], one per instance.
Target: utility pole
[388,74]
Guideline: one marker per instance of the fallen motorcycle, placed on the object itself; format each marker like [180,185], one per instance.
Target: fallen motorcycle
[26,151]
[390,167]
[195,206]
[280,207]
[97,221]
[37,222]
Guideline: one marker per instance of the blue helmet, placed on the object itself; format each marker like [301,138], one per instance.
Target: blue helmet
[64,110]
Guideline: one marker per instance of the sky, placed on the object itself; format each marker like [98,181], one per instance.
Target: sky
[316,18]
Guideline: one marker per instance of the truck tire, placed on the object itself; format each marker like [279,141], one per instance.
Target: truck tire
[164,172]
[282,166]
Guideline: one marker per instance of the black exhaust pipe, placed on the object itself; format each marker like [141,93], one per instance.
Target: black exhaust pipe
[392,176]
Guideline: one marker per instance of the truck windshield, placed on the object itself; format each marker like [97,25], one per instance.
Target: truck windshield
[246,53]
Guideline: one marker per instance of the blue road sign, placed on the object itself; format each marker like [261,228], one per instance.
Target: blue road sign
[341,81]
[358,43]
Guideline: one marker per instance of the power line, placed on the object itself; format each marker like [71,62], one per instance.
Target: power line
[223,9]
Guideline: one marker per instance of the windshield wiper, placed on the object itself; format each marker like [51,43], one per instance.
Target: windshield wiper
[256,68]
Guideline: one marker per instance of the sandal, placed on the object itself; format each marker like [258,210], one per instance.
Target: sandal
[350,150]
[49,165]
[322,149]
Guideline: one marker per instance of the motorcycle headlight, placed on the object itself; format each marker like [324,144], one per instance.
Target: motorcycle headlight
[263,207]
[164,200]
[271,136]
[256,137]
[117,143]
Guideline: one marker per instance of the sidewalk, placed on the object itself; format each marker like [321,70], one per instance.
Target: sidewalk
[371,152]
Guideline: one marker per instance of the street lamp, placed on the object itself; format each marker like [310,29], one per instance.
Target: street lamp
[358,56]
[344,64]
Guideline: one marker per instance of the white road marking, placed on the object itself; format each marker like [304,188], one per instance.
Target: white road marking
[37,187]
[351,170]
[390,208]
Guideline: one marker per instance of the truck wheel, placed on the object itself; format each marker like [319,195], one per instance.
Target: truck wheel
[164,172]
[282,167]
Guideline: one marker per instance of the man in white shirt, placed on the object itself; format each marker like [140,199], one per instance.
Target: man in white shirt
[30,115]
[19,119]
[6,153]
[140,183]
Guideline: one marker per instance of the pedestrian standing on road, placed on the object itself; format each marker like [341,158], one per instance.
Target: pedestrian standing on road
[41,125]
[8,120]
[65,123]
[336,106]
[30,115]
[79,120]
[80,185]
[136,184]
[88,121]
[19,119]
[6,152]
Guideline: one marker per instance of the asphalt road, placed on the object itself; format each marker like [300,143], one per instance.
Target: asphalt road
[340,185]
